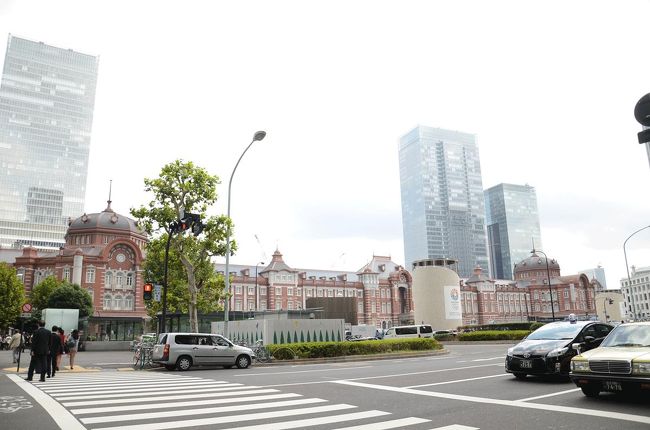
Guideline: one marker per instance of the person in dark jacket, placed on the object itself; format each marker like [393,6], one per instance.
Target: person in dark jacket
[40,349]
[56,348]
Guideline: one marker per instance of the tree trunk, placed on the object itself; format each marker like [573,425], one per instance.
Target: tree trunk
[191,285]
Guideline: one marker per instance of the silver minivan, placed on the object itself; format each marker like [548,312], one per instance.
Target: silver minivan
[184,350]
[422,330]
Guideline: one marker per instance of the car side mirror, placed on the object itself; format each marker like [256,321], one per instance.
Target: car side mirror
[576,346]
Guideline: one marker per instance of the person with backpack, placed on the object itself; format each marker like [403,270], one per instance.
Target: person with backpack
[72,344]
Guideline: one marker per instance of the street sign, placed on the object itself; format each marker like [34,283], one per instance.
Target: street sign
[157,292]
[27,307]
[26,315]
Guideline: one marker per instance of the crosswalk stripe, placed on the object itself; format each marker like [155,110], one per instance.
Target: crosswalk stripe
[135,389]
[168,396]
[90,384]
[190,412]
[456,427]
[169,405]
[384,425]
[299,424]
[75,390]
[235,418]
[140,393]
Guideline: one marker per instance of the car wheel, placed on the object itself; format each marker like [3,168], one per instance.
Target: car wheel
[520,375]
[243,361]
[590,390]
[184,363]
[170,366]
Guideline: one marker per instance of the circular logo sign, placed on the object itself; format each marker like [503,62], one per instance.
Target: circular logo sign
[27,307]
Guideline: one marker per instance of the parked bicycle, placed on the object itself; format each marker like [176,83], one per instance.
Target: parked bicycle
[262,354]
[143,352]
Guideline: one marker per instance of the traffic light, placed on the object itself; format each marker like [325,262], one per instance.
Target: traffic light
[189,221]
[147,291]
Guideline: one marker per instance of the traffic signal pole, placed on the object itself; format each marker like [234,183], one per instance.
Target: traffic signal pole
[164,292]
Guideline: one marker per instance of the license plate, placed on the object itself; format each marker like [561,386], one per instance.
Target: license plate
[526,364]
[612,386]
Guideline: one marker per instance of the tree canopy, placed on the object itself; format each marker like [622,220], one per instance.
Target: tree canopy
[71,296]
[183,188]
[12,295]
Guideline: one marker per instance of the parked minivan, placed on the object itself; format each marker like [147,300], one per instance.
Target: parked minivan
[184,350]
[422,330]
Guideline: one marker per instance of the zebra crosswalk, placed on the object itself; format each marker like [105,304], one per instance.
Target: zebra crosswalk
[151,401]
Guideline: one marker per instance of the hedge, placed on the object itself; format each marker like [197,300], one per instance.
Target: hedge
[493,335]
[288,351]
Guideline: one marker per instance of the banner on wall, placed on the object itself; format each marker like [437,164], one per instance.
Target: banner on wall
[453,310]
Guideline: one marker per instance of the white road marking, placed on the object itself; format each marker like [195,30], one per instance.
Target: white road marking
[72,389]
[456,427]
[303,371]
[459,380]
[384,425]
[559,393]
[168,396]
[175,404]
[139,393]
[59,414]
[235,418]
[501,357]
[196,412]
[393,375]
[513,403]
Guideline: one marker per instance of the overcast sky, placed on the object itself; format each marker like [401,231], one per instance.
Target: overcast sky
[548,88]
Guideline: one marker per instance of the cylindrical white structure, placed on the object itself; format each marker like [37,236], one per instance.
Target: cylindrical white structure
[77,264]
[436,294]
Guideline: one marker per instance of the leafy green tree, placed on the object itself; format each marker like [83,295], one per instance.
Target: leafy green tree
[40,294]
[12,295]
[183,188]
[71,296]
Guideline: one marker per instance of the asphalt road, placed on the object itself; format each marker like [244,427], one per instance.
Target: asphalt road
[465,389]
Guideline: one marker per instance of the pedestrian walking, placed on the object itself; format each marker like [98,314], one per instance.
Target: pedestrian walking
[15,344]
[40,349]
[73,345]
[56,347]
[62,351]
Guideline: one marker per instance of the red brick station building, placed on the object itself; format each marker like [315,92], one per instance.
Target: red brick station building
[104,252]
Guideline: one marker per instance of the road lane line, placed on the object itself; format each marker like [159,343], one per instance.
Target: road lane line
[488,359]
[226,419]
[302,371]
[458,380]
[457,427]
[559,393]
[59,414]
[424,372]
[513,403]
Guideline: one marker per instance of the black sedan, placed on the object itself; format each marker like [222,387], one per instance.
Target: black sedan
[547,350]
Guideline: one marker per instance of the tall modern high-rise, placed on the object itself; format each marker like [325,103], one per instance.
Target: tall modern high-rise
[47,97]
[512,226]
[443,213]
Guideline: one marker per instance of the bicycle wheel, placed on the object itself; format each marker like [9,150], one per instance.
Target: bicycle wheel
[137,358]
[262,355]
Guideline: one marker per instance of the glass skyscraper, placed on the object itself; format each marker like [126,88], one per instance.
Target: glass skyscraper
[443,214]
[512,225]
[47,96]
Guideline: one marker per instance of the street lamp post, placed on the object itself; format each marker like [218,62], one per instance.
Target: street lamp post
[226,308]
[257,293]
[548,275]
[605,300]
[629,281]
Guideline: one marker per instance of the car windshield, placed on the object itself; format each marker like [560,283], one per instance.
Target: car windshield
[555,332]
[628,335]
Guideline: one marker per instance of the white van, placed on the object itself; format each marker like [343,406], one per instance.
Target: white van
[423,330]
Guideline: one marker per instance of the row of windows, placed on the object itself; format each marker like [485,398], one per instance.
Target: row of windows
[118,302]
[315,292]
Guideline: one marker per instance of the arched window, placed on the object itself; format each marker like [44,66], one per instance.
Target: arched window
[119,279]
[109,279]
[108,301]
[117,303]
[129,279]
[128,303]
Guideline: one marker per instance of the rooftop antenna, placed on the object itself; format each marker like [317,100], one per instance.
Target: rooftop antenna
[110,190]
